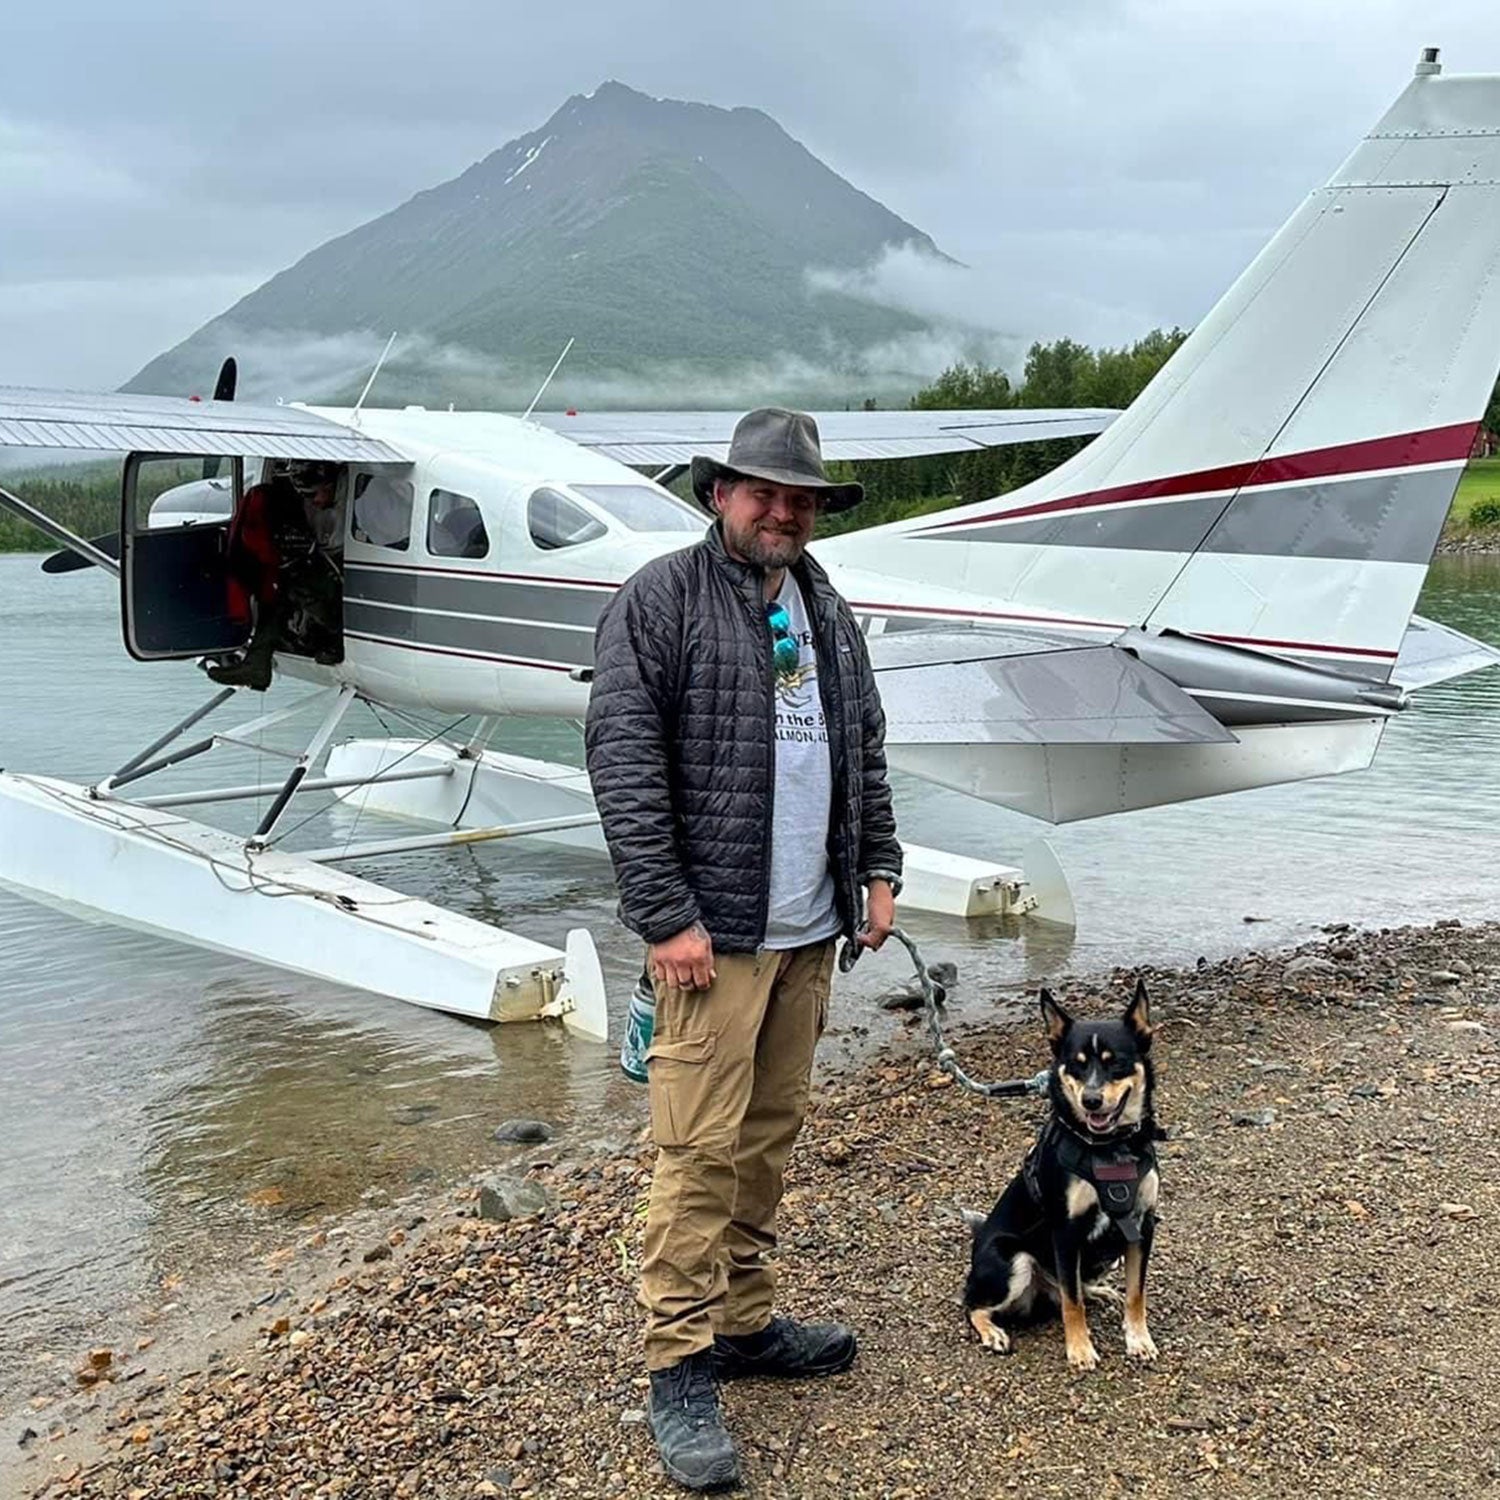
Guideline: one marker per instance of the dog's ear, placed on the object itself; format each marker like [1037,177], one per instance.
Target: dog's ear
[1056,1019]
[1138,1015]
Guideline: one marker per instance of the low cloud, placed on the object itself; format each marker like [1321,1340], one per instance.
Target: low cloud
[995,311]
[288,366]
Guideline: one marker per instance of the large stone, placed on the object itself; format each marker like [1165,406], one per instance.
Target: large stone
[504,1198]
[523,1132]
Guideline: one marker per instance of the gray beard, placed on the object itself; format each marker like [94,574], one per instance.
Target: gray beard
[765,552]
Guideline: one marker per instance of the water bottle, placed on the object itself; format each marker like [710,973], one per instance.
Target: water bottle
[640,1022]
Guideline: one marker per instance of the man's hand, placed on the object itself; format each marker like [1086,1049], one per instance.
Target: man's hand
[685,962]
[880,914]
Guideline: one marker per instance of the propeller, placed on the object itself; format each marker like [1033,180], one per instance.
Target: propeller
[229,374]
[68,561]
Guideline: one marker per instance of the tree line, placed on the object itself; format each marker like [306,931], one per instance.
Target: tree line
[86,500]
[1063,373]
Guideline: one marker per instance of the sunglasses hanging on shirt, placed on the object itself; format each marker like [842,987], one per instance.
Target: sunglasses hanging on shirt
[785,652]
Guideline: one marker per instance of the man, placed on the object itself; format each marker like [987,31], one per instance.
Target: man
[282,572]
[736,747]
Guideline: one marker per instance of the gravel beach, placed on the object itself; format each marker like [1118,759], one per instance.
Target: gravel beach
[1325,1290]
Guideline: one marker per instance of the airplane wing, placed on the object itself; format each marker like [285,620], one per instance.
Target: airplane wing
[673,437]
[113,423]
[996,687]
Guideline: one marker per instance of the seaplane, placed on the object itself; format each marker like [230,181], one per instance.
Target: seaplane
[1216,593]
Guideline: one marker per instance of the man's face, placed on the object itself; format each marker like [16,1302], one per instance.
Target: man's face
[765,524]
[314,488]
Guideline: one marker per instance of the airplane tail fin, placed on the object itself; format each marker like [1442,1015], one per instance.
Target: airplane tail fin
[1282,482]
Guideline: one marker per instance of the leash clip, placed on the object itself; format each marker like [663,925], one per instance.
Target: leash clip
[850,951]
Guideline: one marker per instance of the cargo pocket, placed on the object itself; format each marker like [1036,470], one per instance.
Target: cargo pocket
[680,1074]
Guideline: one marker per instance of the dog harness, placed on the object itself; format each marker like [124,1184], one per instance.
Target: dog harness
[1115,1175]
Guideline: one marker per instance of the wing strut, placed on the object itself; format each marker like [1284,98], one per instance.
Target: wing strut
[58,532]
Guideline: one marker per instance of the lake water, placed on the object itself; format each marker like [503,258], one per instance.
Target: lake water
[148,1091]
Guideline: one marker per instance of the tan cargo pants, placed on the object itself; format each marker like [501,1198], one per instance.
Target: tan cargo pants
[728,1076]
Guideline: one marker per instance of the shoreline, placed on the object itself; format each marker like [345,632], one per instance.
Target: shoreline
[1321,1185]
[1468,544]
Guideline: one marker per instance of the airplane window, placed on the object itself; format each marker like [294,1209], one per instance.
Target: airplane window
[644,509]
[382,511]
[194,501]
[454,526]
[556,521]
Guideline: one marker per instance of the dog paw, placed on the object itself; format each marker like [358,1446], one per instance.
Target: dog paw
[995,1339]
[1102,1292]
[1084,1356]
[991,1335]
[1140,1345]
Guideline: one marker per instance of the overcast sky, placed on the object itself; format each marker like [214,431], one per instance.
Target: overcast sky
[1102,166]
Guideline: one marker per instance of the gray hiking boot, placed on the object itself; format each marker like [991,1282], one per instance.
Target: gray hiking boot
[684,1415]
[786,1347]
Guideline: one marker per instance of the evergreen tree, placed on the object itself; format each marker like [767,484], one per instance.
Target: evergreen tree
[1063,373]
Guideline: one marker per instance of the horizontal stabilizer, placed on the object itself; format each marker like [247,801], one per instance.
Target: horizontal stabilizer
[673,437]
[948,688]
[1433,653]
[111,423]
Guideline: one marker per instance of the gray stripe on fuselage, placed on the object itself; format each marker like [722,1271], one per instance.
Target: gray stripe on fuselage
[486,637]
[1377,518]
[479,595]
[1159,527]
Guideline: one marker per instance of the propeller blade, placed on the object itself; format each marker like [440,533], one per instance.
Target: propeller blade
[229,373]
[68,561]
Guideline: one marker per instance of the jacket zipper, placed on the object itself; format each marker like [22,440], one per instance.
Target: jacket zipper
[838,758]
[770,822]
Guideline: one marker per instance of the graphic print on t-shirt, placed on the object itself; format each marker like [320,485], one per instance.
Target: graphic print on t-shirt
[802,904]
[799,708]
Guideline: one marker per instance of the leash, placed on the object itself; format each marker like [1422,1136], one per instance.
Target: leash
[947,1059]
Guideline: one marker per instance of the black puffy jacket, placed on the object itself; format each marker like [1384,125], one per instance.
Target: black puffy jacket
[681,750]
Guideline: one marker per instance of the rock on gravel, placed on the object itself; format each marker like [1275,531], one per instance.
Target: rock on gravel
[504,1198]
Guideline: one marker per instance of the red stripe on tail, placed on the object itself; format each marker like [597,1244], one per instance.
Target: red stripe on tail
[1405,451]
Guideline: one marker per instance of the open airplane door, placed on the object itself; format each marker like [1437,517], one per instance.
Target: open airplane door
[174,536]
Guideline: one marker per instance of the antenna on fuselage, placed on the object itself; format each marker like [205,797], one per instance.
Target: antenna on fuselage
[548,381]
[354,415]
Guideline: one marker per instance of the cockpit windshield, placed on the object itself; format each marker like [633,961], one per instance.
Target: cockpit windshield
[638,507]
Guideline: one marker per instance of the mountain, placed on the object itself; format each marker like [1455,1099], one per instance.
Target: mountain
[675,241]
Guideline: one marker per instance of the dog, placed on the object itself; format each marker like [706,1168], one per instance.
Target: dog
[1086,1194]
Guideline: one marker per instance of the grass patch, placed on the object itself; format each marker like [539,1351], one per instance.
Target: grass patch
[1479,487]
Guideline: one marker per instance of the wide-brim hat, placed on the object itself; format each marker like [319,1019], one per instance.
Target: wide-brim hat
[782,446]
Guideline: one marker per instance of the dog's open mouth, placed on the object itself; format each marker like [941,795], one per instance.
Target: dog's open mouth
[1101,1122]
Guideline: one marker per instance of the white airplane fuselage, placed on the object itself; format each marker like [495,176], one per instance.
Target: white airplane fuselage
[508,632]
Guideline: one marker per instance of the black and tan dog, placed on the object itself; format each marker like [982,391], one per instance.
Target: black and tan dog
[1085,1196]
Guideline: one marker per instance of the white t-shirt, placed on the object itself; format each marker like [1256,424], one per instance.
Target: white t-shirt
[803,908]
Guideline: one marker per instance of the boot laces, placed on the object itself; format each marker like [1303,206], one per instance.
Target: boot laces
[693,1390]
